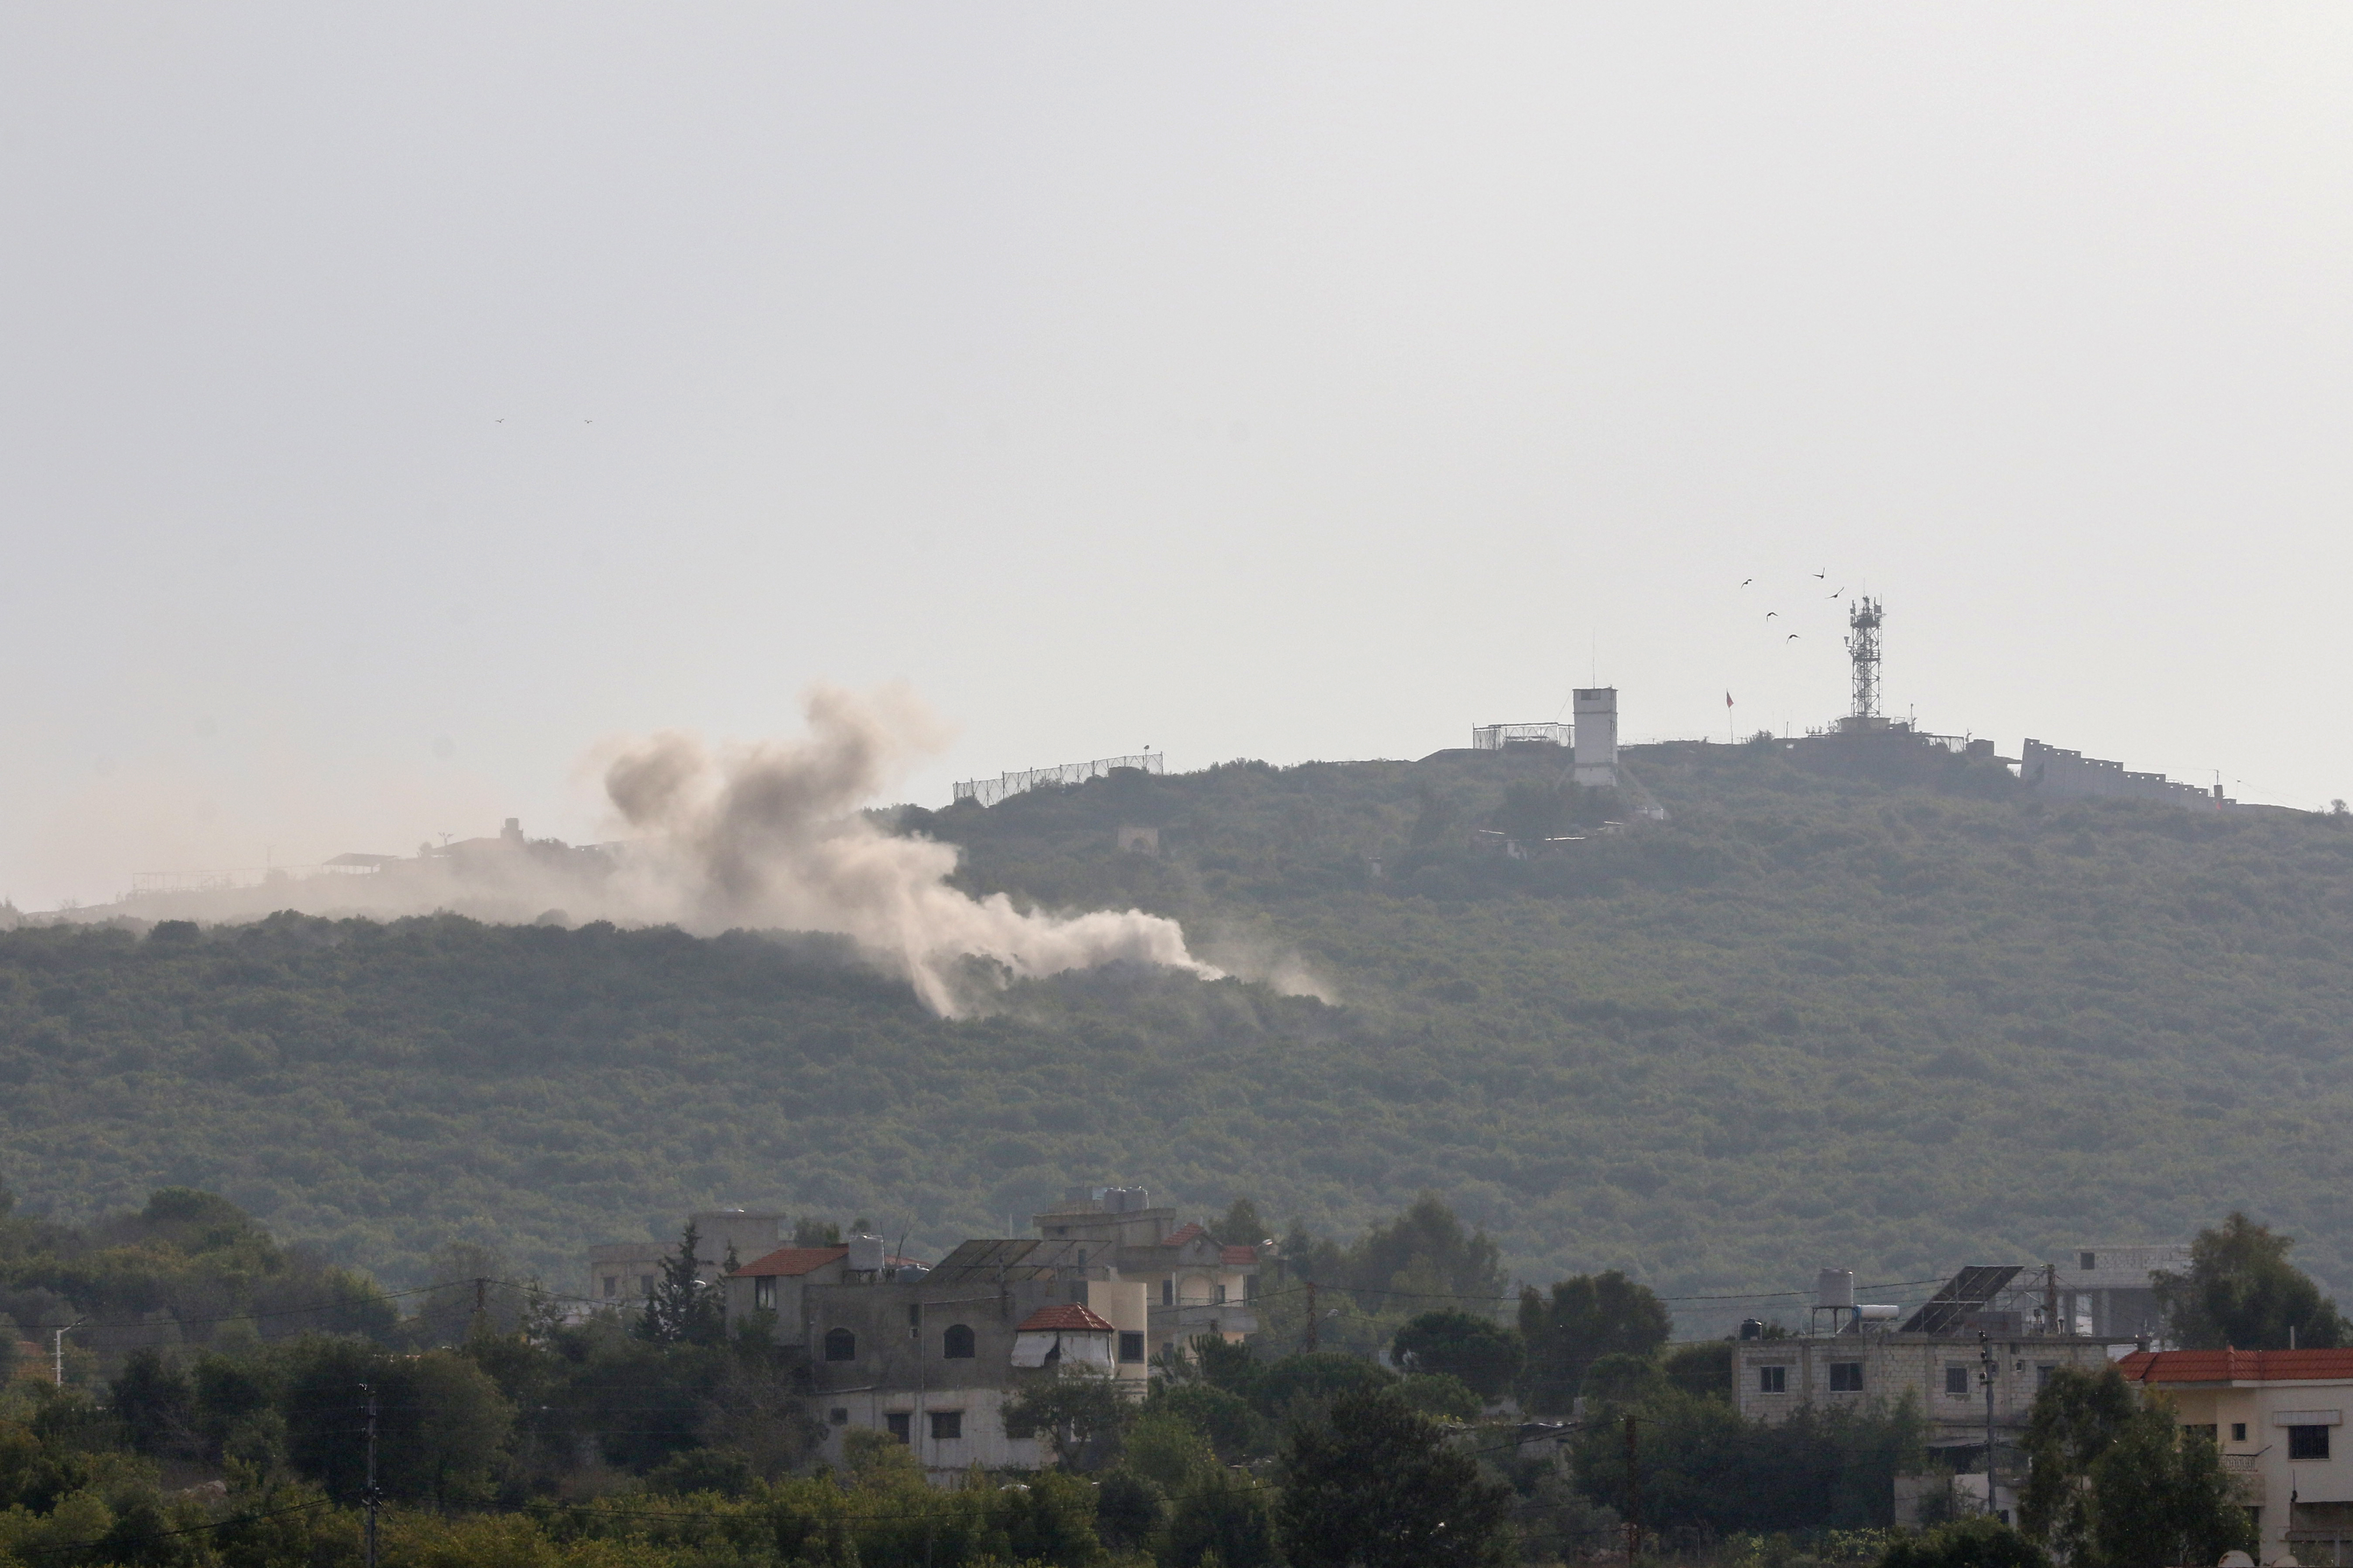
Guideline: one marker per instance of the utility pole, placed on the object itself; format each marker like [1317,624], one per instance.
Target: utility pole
[58,1352]
[481,1324]
[1310,1317]
[1984,1375]
[368,1496]
[1633,1494]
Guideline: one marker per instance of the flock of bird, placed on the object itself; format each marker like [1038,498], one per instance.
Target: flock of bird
[1821,576]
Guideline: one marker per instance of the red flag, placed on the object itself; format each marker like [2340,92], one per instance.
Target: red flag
[1727,700]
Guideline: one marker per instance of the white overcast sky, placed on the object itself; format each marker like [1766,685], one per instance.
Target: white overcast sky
[395,401]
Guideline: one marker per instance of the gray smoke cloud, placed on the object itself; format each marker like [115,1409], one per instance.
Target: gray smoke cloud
[772,835]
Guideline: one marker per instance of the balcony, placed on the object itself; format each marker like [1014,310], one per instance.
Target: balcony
[1205,1318]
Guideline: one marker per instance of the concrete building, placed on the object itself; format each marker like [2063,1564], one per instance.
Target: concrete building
[2063,774]
[932,1361]
[1596,747]
[2279,1419]
[1194,1285]
[623,1273]
[2004,1319]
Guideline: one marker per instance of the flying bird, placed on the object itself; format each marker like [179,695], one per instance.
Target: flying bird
[1771,614]
[1822,574]
[1791,638]
[1746,581]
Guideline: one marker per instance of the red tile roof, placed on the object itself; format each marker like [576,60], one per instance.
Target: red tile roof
[1239,1257]
[1069,1318]
[1181,1235]
[792,1260]
[2237,1366]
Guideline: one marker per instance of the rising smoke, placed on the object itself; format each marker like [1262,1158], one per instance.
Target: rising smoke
[770,835]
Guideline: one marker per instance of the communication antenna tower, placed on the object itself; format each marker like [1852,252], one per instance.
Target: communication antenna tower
[1862,619]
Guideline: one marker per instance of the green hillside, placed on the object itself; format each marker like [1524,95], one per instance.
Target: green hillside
[1806,1020]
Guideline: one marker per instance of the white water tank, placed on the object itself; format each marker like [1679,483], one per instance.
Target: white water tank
[865,1253]
[1835,1288]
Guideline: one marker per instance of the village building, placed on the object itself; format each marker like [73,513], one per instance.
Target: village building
[1194,1284]
[2278,1417]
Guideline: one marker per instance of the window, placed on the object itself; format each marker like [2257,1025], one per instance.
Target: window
[764,1294]
[957,1343]
[1846,1377]
[2308,1442]
[841,1344]
[2238,1431]
[1131,1345]
[2042,1371]
[915,1319]
[948,1425]
[1956,1381]
[612,1285]
[1772,1380]
[1250,1286]
[897,1425]
[645,1284]
[1168,1292]
[2087,1261]
[1221,1295]
[838,1415]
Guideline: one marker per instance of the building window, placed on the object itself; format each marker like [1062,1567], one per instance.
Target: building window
[896,1423]
[1772,1380]
[2308,1442]
[645,1284]
[612,1285]
[838,1415]
[1168,1292]
[2238,1431]
[2087,1261]
[957,1343]
[1846,1377]
[1131,1345]
[764,1294]
[2042,1371]
[841,1344]
[1956,1381]
[1221,1295]
[948,1425]
[915,1319]
[1250,1286]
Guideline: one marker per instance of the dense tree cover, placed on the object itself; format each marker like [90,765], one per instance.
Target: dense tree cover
[2113,1482]
[1979,1543]
[1808,1017]
[1371,1484]
[2240,1291]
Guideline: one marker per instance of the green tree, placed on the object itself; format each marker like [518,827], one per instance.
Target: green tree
[1584,1318]
[2115,1482]
[1081,1412]
[1979,1543]
[2241,1292]
[681,1307]
[1482,1353]
[1371,1484]
[1220,1517]
[1241,1226]
[156,1404]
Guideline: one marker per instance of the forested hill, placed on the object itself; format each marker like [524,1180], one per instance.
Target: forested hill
[1806,1020]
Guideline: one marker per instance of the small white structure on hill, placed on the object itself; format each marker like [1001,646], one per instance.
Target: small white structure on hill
[1597,736]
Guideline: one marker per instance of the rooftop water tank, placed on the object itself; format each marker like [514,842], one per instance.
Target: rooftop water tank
[1835,1288]
[865,1253]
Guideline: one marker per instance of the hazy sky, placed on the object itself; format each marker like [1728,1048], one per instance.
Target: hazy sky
[395,401]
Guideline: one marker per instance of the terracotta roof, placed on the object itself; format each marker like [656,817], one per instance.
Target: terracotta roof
[1070,1318]
[791,1260]
[1239,1257]
[1181,1235]
[2237,1366]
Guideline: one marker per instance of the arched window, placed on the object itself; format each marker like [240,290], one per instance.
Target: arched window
[957,1344]
[841,1344]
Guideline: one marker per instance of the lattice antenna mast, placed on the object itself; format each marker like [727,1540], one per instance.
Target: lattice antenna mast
[1862,648]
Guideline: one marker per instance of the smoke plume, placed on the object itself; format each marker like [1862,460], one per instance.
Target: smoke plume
[771,836]
[766,835]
